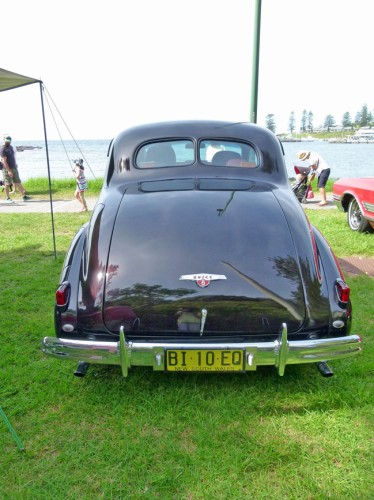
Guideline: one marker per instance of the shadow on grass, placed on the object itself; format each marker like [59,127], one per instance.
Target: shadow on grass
[30,254]
[43,192]
[301,390]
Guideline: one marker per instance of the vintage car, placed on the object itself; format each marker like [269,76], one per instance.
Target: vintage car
[199,258]
[356,197]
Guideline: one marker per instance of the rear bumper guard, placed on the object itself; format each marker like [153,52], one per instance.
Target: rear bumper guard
[278,353]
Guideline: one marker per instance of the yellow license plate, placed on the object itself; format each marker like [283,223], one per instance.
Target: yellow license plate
[198,360]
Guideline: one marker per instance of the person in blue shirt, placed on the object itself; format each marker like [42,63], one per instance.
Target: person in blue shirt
[10,170]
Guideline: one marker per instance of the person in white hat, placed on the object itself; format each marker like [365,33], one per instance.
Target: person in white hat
[320,169]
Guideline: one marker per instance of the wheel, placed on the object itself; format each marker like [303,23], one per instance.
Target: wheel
[355,220]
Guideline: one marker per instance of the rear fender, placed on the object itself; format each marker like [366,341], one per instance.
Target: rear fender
[341,314]
[67,315]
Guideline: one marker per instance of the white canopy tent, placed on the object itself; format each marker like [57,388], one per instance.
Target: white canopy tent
[9,81]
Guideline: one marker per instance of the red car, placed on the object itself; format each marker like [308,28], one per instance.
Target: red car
[356,197]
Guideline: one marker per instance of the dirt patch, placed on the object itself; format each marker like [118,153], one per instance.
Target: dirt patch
[357,265]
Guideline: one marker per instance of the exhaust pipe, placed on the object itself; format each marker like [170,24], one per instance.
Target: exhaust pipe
[81,369]
[324,369]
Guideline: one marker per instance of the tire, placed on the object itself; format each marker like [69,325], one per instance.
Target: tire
[355,220]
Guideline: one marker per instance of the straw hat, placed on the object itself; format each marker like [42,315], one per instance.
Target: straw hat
[303,155]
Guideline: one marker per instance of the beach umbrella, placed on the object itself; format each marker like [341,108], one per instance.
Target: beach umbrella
[9,81]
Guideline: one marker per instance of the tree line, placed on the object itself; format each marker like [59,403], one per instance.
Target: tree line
[363,118]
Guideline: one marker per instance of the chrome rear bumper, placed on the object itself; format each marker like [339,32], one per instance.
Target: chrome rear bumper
[278,353]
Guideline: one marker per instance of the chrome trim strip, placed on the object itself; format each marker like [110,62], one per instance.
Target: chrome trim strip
[277,353]
[204,313]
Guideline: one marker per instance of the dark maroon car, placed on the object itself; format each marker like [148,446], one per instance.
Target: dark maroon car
[199,258]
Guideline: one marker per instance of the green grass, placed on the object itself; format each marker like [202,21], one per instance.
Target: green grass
[343,241]
[178,436]
[341,134]
[63,188]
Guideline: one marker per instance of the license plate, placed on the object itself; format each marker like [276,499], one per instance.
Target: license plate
[198,360]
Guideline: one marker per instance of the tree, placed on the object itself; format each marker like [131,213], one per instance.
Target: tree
[270,122]
[364,116]
[304,119]
[291,122]
[310,121]
[346,121]
[329,122]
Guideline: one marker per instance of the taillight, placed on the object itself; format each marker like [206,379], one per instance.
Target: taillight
[62,294]
[343,291]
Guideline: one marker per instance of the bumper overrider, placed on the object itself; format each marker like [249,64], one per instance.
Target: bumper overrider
[176,356]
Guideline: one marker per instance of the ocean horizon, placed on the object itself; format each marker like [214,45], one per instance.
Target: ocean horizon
[345,160]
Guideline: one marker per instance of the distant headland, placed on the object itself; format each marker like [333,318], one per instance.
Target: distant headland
[24,148]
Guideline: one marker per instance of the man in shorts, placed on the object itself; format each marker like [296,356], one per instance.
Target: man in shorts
[320,169]
[10,171]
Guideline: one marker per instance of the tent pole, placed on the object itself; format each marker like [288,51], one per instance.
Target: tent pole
[49,172]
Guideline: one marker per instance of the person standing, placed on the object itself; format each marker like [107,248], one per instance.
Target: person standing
[10,170]
[320,168]
[81,184]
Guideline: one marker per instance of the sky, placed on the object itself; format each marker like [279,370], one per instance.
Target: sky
[110,65]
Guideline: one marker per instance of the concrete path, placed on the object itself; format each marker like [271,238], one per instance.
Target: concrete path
[35,205]
[313,204]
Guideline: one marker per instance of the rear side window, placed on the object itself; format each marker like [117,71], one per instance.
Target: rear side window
[228,154]
[166,154]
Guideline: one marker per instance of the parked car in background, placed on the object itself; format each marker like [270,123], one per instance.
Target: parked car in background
[199,258]
[355,196]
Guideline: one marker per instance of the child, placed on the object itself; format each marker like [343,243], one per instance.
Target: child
[81,184]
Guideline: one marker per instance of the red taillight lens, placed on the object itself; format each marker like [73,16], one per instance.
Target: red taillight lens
[62,294]
[343,291]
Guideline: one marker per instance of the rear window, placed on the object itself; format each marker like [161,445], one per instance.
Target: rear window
[228,154]
[166,154]
[212,152]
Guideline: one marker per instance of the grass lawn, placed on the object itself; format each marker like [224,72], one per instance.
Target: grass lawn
[179,436]
[38,187]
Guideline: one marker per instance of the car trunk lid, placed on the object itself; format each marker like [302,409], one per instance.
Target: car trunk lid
[212,261]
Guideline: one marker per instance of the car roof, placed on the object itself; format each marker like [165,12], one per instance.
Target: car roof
[121,165]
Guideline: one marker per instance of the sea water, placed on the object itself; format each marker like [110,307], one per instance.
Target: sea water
[345,160]
[33,162]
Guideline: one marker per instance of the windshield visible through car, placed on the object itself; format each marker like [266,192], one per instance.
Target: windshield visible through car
[227,154]
[179,153]
[166,154]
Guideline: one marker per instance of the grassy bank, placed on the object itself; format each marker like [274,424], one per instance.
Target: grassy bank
[63,188]
[323,136]
[173,436]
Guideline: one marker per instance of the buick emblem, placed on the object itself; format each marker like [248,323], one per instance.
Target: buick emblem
[202,280]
